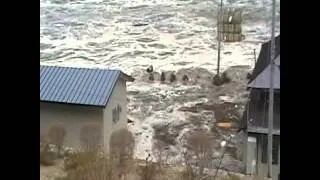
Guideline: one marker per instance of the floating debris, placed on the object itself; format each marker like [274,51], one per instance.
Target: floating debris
[140,24]
[173,77]
[151,77]
[150,69]
[185,78]
[162,77]
[219,80]
[225,78]
[226,125]
[129,121]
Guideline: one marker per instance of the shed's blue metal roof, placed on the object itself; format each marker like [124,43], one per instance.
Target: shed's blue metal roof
[81,86]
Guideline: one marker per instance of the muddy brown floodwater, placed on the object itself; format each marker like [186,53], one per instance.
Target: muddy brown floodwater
[169,113]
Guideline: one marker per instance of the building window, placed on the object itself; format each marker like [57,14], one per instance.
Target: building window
[116,114]
[275,149]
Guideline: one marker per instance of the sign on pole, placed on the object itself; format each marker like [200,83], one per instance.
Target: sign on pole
[230,25]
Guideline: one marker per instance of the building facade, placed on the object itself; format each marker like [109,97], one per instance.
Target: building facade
[255,117]
[75,97]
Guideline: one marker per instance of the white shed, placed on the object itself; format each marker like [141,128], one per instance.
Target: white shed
[77,96]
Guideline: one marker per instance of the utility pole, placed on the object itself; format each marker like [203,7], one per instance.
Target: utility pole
[219,35]
[254,56]
[271,90]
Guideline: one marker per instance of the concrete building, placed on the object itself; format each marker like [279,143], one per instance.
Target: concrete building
[77,96]
[255,118]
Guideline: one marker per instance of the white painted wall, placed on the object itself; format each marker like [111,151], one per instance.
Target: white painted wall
[73,117]
[118,97]
[251,155]
[254,153]
[263,167]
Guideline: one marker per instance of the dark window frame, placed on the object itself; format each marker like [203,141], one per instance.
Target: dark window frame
[275,149]
[116,112]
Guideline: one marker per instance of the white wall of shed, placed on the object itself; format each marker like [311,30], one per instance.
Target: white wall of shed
[71,116]
[118,97]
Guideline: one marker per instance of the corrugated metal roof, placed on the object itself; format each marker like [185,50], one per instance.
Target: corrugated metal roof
[77,85]
[264,57]
[263,79]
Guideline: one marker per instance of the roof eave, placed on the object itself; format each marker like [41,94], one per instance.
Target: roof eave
[260,130]
[276,90]
[73,104]
[126,77]
[266,88]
